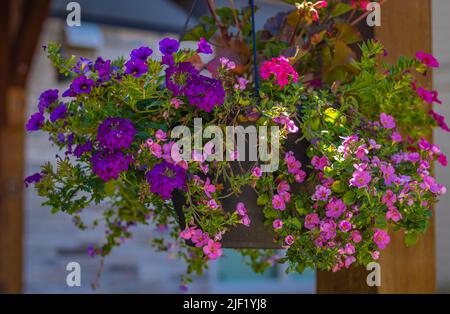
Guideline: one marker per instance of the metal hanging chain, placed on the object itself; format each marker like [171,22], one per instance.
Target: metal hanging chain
[186,23]
[255,62]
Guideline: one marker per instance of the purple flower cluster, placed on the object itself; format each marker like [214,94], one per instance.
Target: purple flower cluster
[103,68]
[113,135]
[116,133]
[203,92]
[35,122]
[108,165]
[166,177]
[58,113]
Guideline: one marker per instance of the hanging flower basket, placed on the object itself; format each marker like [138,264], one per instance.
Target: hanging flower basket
[325,169]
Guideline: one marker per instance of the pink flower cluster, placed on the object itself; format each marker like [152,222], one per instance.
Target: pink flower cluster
[211,248]
[281,69]
[242,212]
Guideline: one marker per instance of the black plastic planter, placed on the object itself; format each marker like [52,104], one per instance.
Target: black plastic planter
[257,235]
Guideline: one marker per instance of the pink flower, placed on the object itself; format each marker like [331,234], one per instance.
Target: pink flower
[322,193]
[281,69]
[360,179]
[388,174]
[396,137]
[161,135]
[156,150]
[381,238]
[361,152]
[345,226]
[283,186]
[300,176]
[199,238]
[213,249]
[176,102]
[427,59]
[241,83]
[246,221]
[278,202]
[376,255]
[240,209]
[320,162]
[289,240]
[311,221]
[429,96]
[209,188]
[349,249]
[442,159]
[213,204]
[187,233]
[257,172]
[277,224]
[440,120]
[327,230]
[349,260]
[393,214]
[387,121]
[355,236]
[335,208]
[389,198]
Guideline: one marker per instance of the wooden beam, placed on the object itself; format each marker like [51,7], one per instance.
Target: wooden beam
[34,14]
[20,27]
[405,29]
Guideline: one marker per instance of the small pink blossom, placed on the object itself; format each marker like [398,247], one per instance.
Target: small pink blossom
[161,135]
[277,224]
[241,83]
[322,193]
[345,226]
[381,238]
[241,209]
[311,221]
[257,172]
[387,121]
[335,208]
[278,202]
[393,214]
[360,179]
[209,188]
[320,163]
[176,102]
[349,260]
[213,250]
[199,238]
[355,236]
[289,240]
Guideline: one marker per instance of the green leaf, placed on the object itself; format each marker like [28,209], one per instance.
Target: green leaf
[411,238]
[341,8]
[349,198]
[262,200]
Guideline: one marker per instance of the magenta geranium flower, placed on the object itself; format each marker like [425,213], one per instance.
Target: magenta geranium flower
[281,70]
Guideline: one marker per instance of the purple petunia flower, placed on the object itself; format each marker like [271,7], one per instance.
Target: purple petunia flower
[116,133]
[179,77]
[47,98]
[205,93]
[81,85]
[136,67]
[103,69]
[168,46]
[141,53]
[108,165]
[82,149]
[34,178]
[58,113]
[35,122]
[164,178]
[83,66]
[168,60]
[204,47]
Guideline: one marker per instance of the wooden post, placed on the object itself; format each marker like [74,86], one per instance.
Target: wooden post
[20,26]
[405,29]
